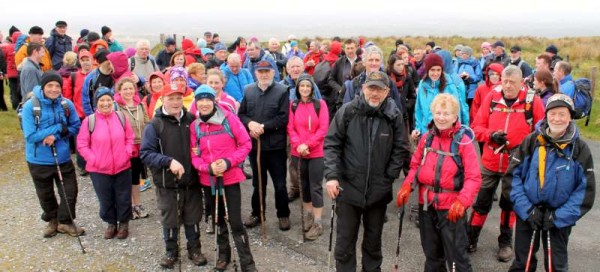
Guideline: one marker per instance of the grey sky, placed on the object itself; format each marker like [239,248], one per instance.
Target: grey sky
[277,18]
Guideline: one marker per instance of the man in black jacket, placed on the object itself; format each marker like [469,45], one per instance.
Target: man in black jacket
[342,68]
[166,150]
[364,152]
[264,112]
[163,59]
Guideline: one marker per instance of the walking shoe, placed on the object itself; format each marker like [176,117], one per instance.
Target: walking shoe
[221,265]
[309,220]
[210,225]
[247,173]
[123,230]
[168,261]
[505,254]
[70,229]
[138,211]
[315,232]
[197,258]
[147,184]
[50,229]
[293,195]
[110,231]
[83,173]
[252,221]
[284,223]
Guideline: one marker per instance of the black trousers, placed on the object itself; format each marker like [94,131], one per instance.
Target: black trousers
[44,177]
[348,221]
[15,92]
[114,195]
[273,161]
[311,173]
[2,102]
[444,243]
[559,239]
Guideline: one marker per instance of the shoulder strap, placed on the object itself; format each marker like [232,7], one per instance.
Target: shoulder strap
[91,122]
[520,63]
[37,110]
[294,105]
[148,100]
[317,106]
[131,64]
[65,105]
[529,106]
[73,78]
[158,125]
[121,118]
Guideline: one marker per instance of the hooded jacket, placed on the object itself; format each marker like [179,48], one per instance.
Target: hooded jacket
[53,121]
[219,144]
[458,82]
[21,55]
[513,123]
[9,55]
[235,84]
[426,169]
[149,101]
[108,149]
[305,126]
[426,92]
[484,89]
[315,57]
[568,187]
[288,81]
[471,67]
[364,150]
[57,46]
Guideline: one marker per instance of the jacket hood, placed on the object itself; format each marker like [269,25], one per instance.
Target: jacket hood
[217,118]
[15,36]
[312,82]
[119,99]
[496,67]
[94,46]
[120,63]
[158,74]
[37,91]
[447,58]
[387,109]
[187,44]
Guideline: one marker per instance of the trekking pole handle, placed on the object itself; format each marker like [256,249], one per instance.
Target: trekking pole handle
[54,153]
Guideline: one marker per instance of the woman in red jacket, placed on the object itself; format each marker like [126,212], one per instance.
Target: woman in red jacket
[443,198]
[493,78]
[307,129]
[219,146]
[105,140]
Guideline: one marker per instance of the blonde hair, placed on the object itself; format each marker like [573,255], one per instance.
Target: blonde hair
[123,81]
[70,58]
[216,72]
[446,101]
[196,68]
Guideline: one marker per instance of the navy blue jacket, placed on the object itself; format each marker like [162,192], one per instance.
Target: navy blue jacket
[57,46]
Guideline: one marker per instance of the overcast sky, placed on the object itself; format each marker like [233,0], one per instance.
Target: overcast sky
[278,18]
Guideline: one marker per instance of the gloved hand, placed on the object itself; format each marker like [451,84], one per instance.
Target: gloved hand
[403,194]
[499,137]
[548,221]
[535,219]
[456,211]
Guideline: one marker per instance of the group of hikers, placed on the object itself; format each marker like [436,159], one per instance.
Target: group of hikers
[194,115]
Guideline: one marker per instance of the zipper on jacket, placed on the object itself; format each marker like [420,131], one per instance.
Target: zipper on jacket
[506,146]
[369,127]
[111,144]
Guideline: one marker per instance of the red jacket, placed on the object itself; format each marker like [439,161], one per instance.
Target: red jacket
[513,123]
[9,55]
[75,95]
[484,89]
[316,57]
[305,127]
[472,174]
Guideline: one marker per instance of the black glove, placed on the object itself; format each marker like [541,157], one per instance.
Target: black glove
[64,131]
[548,221]
[536,218]
[499,137]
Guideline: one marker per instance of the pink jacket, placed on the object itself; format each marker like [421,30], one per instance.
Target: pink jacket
[226,102]
[305,127]
[108,149]
[220,146]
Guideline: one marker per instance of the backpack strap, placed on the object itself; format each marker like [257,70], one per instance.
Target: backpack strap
[316,104]
[131,64]
[65,105]
[529,106]
[73,78]
[37,111]
[92,121]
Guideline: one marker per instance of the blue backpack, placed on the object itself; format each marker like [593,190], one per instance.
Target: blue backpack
[582,98]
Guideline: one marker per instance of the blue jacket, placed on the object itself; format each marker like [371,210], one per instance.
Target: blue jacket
[57,47]
[569,183]
[236,83]
[89,106]
[353,89]
[426,92]
[288,81]
[249,64]
[460,85]
[567,86]
[471,67]
[52,120]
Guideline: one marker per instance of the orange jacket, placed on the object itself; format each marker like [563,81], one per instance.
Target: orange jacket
[45,62]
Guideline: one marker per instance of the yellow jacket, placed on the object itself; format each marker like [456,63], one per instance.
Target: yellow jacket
[45,62]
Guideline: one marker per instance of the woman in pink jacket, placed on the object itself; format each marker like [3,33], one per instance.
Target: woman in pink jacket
[220,145]
[307,126]
[216,80]
[105,140]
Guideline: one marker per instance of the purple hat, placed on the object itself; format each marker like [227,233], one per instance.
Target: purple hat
[178,72]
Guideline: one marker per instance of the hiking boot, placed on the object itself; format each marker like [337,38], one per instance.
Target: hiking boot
[123,231]
[110,231]
[252,221]
[50,229]
[505,254]
[83,173]
[210,225]
[70,229]
[138,211]
[168,261]
[284,223]
[293,195]
[315,232]
[197,258]
[221,265]
[247,173]
[146,184]
[309,220]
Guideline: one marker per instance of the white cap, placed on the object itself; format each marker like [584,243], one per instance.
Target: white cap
[292,37]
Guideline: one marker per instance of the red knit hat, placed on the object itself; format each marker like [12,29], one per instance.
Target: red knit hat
[432,60]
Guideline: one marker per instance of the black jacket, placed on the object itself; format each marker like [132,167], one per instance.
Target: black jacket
[213,63]
[165,138]
[364,150]
[336,76]
[280,60]
[524,66]
[269,108]
[163,59]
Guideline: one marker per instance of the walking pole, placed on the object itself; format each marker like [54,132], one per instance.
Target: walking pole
[260,192]
[216,215]
[178,219]
[62,183]
[401,215]
[333,203]
[227,222]
[301,198]
[549,252]
[530,251]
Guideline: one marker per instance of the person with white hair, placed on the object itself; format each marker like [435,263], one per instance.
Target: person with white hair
[280,58]
[287,47]
[142,64]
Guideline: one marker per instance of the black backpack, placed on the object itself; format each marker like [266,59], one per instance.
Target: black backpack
[316,104]
[321,75]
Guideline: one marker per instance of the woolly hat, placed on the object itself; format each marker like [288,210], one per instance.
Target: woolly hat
[36,30]
[293,43]
[486,45]
[560,100]
[207,51]
[205,91]
[130,52]
[92,37]
[101,55]
[61,24]
[432,60]
[201,43]
[84,32]
[219,47]
[50,76]
[102,91]
[467,50]
[12,30]
[498,43]
[169,41]
[178,72]
[432,44]
[552,49]
[105,30]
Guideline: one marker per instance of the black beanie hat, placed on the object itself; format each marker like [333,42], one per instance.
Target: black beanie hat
[92,37]
[105,29]
[36,30]
[49,76]
[100,55]
[12,30]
